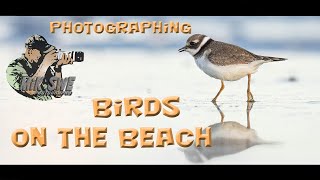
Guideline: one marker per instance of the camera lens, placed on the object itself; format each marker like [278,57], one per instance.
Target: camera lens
[77,56]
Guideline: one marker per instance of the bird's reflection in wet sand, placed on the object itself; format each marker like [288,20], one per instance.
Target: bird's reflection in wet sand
[227,137]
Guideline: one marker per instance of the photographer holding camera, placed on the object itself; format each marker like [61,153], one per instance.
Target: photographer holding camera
[35,63]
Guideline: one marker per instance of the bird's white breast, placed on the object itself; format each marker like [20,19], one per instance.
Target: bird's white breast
[228,72]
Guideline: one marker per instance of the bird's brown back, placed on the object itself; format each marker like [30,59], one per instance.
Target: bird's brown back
[227,54]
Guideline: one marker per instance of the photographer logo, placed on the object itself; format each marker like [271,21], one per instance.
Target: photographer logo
[37,74]
[62,87]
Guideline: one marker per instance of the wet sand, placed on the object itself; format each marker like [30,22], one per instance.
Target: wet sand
[283,122]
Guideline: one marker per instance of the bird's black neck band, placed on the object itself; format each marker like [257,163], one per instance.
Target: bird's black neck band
[203,47]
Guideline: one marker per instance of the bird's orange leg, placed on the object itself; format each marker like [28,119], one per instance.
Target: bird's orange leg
[222,87]
[249,94]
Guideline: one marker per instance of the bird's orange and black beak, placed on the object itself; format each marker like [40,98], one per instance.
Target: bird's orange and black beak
[182,49]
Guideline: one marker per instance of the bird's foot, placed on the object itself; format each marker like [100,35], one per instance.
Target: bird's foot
[214,100]
[250,97]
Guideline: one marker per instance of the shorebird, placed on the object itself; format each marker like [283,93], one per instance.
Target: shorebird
[224,61]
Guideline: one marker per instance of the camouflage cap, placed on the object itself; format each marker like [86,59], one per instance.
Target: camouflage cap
[37,42]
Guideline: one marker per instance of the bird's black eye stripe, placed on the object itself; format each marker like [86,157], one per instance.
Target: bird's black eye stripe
[192,43]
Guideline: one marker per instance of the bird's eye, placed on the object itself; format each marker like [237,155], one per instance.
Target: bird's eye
[192,43]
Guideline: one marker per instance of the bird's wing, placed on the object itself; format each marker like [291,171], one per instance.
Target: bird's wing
[227,54]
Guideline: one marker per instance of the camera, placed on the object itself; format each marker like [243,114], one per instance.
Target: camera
[76,56]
